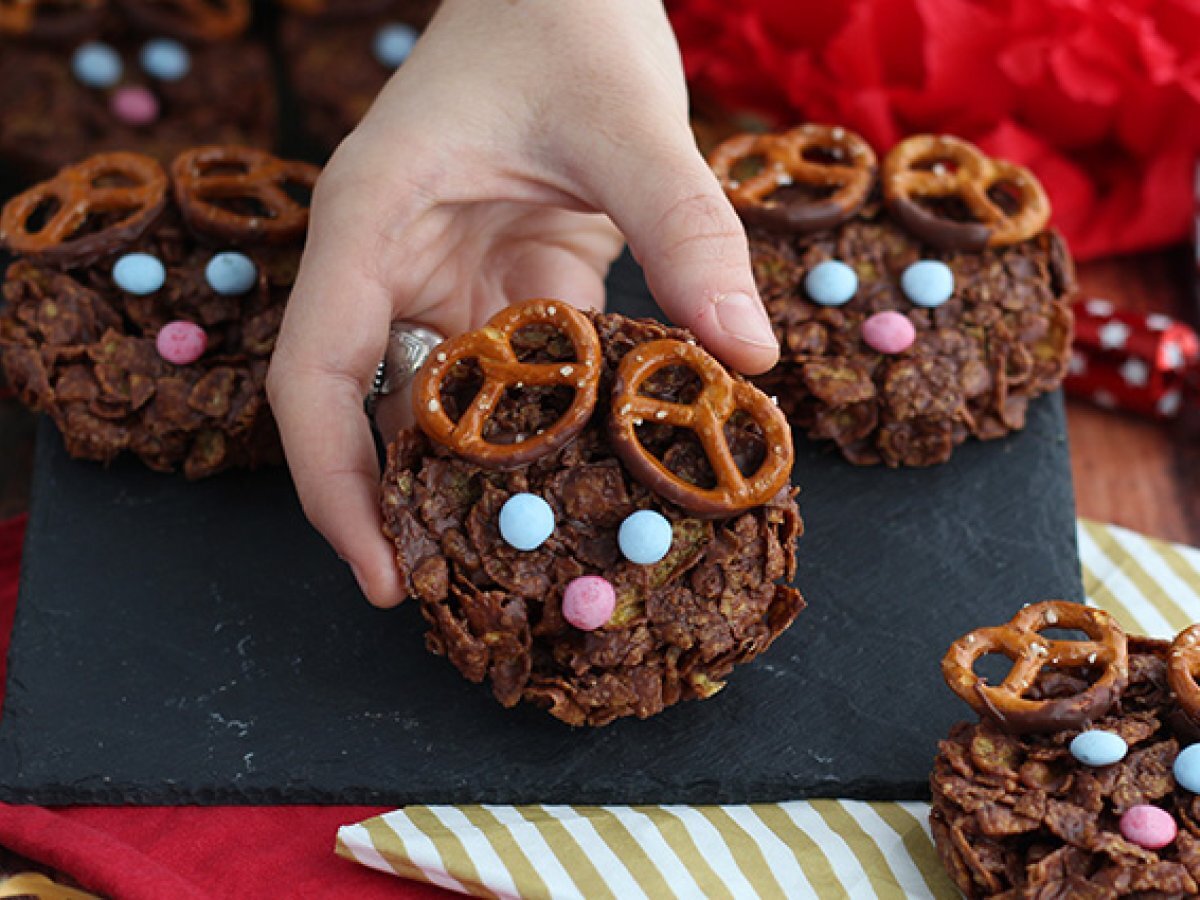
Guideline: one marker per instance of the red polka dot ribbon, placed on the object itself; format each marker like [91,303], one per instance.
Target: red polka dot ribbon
[1144,363]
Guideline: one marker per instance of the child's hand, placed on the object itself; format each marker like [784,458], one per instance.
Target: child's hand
[492,169]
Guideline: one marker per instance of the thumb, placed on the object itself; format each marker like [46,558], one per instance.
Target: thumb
[693,249]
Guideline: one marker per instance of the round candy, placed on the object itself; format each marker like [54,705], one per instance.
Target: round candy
[588,602]
[927,283]
[97,65]
[139,273]
[644,537]
[231,273]
[165,59]
[134,105]
[1098,748]
[393,44]
[526,520]
[889,332]
[181,343]
[1148,826]
[831,283]
[1187,768]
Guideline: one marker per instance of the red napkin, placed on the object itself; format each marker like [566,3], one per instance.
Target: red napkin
[188,853]
[1100,98]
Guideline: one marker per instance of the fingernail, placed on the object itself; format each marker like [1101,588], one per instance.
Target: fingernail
[743,317]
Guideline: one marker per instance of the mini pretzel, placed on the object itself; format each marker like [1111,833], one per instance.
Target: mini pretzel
[191,20]
[785,163]
[1183,666]
[719,398]
[906,182]
[1029,651]
[74,198]
[64,19]
[491,346]
[210,180]
[340,8]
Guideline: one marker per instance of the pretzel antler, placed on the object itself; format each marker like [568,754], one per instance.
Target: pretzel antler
[818,156]
[1030,652]
[719,398]
[55,222]
[50,19]
[926,167]
[491,347]
[238,194]
[191,20]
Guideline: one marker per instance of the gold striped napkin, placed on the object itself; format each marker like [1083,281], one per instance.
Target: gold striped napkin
[819,848]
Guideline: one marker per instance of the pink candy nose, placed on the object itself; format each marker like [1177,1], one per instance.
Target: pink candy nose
[134,105]
[588,602]
[889,332]
[181,343]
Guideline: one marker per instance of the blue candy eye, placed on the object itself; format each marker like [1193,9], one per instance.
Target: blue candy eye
[1098,748]
[165,59]
[139,273]
[1187,768]
[393,44]
[644,537]
[928,283]
[526,521]
[97,65]
[831,283]
[231,273]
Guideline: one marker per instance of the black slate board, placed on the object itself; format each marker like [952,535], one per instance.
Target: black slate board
[198,643]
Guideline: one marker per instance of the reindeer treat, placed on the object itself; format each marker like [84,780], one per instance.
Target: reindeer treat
[1081,776]
[592,512]
[143,307]
[79,77]
[918,302]
[339,53]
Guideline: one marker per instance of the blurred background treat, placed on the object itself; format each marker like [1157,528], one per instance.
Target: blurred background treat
[78,77]
[1099,98]
[339,53]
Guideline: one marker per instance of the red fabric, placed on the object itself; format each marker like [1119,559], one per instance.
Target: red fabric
[1100,98]
[189,853]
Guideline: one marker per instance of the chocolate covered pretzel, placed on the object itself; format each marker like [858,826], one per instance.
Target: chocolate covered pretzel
[241,194]
[86,211]
[1021,641]
[835,169]
[707,416]
[491,346]
[929,168]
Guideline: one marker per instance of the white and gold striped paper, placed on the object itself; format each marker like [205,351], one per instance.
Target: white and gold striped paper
[819,848]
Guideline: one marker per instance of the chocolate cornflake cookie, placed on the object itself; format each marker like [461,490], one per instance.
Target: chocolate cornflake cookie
[338,55]
[593,513]
[915,307]
[143,307]
[1080,779]
[79,77]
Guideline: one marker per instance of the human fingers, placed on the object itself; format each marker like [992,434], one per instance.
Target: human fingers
[689,240]
[333,334]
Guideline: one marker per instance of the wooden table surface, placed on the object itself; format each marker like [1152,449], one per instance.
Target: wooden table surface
[1129,471]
